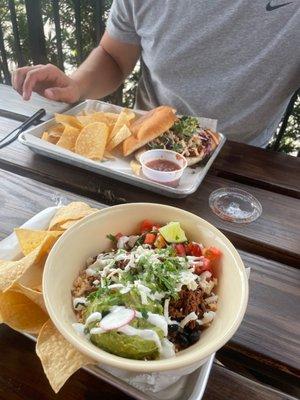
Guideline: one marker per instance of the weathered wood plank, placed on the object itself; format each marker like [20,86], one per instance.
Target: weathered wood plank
[269,333]
[7,125]
[271,327]
[21,198]
[275,234]
[19,383]
[225,384]
[10,100]
[257,167]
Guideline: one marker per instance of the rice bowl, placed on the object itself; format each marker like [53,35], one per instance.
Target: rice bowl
[88,238]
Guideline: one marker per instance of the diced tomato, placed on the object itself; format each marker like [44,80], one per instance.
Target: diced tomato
[187,248]
[193,249]
[212,253]
[146,225]
[119,235]
[180,249]
[149,238]
[204,265]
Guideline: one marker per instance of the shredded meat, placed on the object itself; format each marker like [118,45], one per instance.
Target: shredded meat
[201,143]
[189,301]
[122,264]
[83,285]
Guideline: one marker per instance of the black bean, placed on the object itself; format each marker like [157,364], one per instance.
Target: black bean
[194,337]
[183,340]
[173,328]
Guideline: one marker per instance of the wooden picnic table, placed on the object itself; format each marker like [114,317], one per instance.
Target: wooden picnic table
[266,347]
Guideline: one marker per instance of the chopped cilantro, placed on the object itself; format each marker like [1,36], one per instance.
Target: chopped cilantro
[144,313]
[140,240]
[185,127]
[96,294]
[112,238]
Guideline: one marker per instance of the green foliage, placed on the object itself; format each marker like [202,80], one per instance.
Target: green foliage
[290,143]
[126,94]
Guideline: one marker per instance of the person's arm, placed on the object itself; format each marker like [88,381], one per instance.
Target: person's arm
[99,75]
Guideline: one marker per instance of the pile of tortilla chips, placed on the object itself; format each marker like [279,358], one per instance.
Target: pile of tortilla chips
[21,300]
[94,135]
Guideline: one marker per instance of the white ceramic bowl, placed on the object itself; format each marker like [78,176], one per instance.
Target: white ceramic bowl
[88,238]
[170,178]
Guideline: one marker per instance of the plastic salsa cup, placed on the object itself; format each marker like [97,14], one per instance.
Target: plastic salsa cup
[154,161]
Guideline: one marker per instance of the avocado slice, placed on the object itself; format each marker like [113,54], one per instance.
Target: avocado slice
[173,233]
[133,347]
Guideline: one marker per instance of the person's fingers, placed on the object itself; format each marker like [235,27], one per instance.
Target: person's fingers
[34,76]
[19,75]
[67,94]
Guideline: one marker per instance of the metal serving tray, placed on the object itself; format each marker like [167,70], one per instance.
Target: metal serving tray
[189,387]
[120,167]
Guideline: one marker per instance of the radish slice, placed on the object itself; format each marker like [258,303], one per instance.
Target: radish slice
[116,319]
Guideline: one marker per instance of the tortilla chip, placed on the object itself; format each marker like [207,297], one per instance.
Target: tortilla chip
[53,133]
[124,119]
[12,271]
[111,120]
[68,224]
[89,119]
[21,313]
[108,156]
[68,138]
[73,211]
[119,137]
[32,278]
[136,167]
[38,288]
[34,295]
[59,358]
[68,120]
[30,239]
[56,129]
[92,141]
[45,136]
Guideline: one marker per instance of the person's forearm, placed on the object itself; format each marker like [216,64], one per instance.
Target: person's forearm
[98,76]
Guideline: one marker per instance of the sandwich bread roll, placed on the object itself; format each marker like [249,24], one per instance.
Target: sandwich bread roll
[149,127]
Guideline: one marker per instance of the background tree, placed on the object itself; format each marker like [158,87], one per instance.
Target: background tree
[77,43]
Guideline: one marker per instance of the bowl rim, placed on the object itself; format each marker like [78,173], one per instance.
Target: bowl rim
[182,359]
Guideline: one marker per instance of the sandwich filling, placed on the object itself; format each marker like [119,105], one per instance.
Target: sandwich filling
[187,138]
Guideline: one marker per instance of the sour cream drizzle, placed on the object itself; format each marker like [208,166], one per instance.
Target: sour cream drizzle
[146,334]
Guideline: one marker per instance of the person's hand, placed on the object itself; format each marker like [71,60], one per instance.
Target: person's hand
[46,80]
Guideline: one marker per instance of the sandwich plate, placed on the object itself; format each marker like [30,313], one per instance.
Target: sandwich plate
[120,167]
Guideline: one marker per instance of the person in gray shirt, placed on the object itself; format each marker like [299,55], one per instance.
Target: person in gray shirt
[235,61]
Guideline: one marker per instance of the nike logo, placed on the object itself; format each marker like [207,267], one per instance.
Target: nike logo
[269,6]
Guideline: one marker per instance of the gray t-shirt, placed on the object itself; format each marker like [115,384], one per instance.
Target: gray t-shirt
[236,61]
